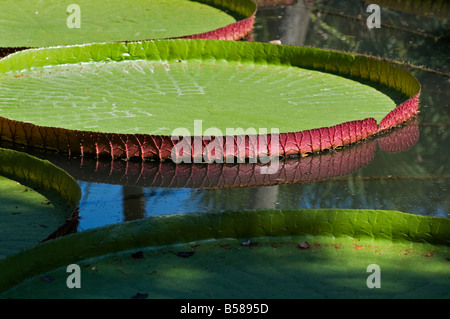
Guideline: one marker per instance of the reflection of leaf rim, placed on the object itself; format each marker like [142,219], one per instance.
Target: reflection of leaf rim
[235,31]
[166,174]
[356,67]
[166,230]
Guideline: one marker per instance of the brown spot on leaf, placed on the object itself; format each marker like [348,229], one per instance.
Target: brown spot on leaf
[185,254]
[138,255]
[224,246]
[358,246]
[140,296]
[47,278]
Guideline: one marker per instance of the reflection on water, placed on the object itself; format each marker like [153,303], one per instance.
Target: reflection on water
[309,169]
[383,180]
[413,37]
[405,170]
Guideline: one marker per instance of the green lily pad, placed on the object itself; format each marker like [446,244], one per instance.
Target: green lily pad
[249,254]
[129,99]
[38,201]
[52,22]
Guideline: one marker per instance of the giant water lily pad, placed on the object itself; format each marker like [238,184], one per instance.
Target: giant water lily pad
[138,99]
[251,254]
[54,22]
[38,201]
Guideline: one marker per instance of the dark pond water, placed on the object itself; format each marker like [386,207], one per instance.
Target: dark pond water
[406,170]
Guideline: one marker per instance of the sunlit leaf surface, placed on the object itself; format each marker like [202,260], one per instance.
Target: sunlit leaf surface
[41,23]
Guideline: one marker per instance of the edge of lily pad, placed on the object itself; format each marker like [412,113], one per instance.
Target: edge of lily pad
[150,147]
[30,170]
[234,31]
[164,230]
[42,174]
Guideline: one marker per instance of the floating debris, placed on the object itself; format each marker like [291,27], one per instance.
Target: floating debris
[249,243]
[246,243]
[304,245]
